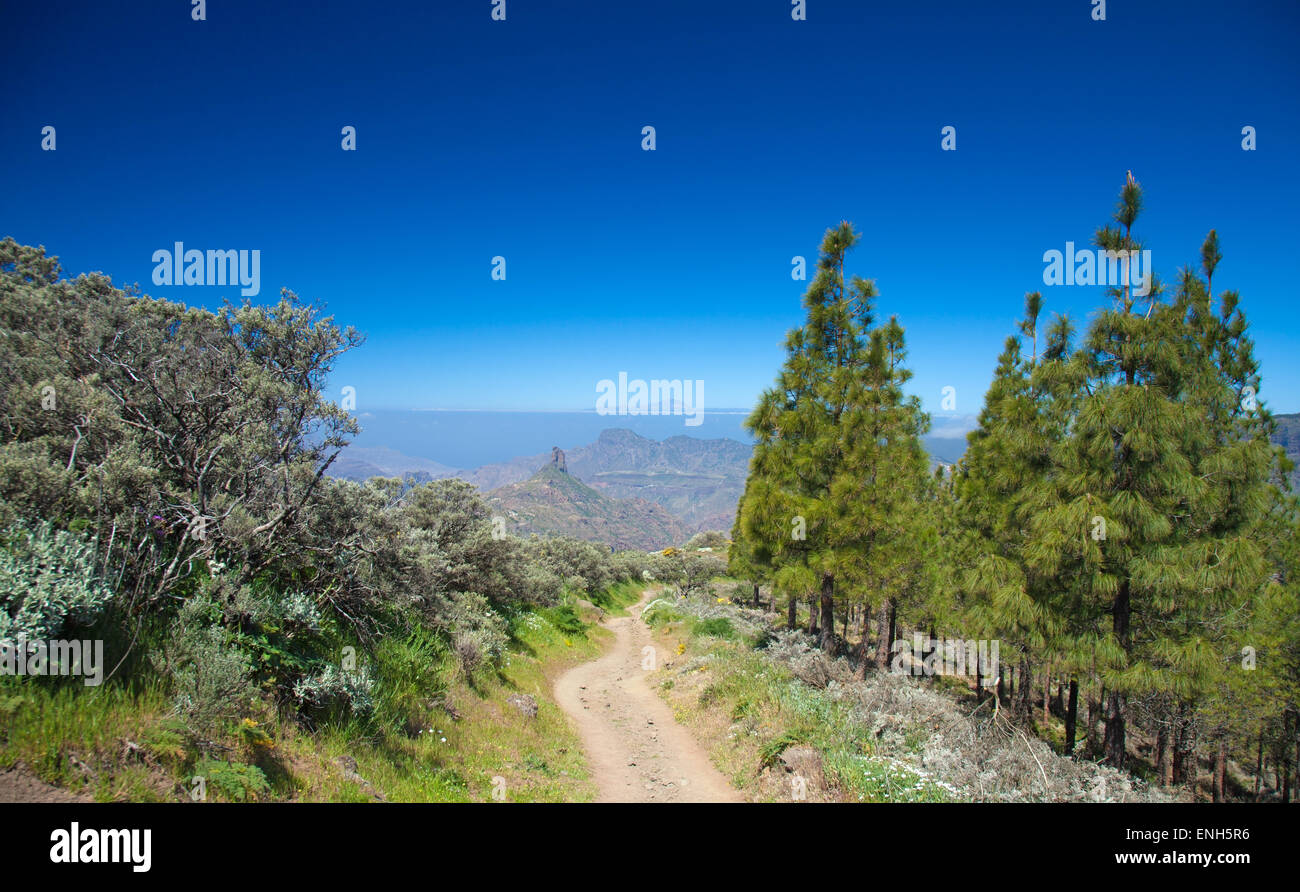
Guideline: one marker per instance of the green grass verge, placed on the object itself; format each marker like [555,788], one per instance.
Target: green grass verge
[437,735]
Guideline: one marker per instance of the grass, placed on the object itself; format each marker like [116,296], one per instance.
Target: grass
[750,710]
[438,735]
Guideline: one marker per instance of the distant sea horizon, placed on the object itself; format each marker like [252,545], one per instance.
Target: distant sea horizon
[465,439]
[469,438]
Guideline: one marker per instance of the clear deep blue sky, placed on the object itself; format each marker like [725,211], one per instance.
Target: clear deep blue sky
[523,139]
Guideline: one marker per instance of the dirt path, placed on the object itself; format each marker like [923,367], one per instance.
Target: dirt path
[636,749]
[19,784]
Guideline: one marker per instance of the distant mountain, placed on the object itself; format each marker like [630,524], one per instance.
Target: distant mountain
[944,450]
[1288,437]
[698,481]
[364,462]
[553,502]
[689,484]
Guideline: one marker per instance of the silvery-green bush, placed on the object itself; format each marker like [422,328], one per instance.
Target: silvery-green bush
[353,688]
[211,677]
[47,577]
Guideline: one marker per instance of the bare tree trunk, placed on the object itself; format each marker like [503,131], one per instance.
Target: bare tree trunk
[1115,741]
[1026,687]
[882,639]
[865,644]
[1181,733]
[1259,766]
[1220,769]
[1162,755]
[792,620]
[1071,716]
[1047,693]
[1115,746]
[828,613]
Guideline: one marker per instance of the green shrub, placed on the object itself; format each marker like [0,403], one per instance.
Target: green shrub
[565,619]
[211,678]
[235,781]
[660,612]
[47,577]
[718,627]
[167,741]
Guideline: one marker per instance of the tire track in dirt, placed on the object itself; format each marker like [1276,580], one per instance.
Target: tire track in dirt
[636,749]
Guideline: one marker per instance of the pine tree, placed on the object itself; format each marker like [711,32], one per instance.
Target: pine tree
[1160,457]
[835,439]
[1004,479]
[742,563]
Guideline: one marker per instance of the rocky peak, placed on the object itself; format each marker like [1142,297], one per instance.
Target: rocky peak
[557,459]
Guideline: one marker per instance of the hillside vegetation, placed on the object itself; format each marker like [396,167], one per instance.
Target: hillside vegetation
[266,628]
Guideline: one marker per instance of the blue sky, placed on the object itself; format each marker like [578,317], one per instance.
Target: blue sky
[522,139]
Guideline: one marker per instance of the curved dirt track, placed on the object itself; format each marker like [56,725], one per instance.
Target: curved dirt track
[636,749]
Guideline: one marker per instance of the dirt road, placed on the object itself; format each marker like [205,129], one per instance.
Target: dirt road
[637,751]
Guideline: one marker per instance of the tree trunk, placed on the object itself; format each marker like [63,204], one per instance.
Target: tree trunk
[812,616]
[1095,712]
[882,637]
[1071,716]
[1162,755]
[792,621]
[864,645]
[1115,743]
[828,613]
[1182,733]
[1115,747]
[1026,687]
[1220,769]
[1259,766]
[1047,694]
[756,595]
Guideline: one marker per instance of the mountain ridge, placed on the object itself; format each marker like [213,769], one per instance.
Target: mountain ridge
[554,502]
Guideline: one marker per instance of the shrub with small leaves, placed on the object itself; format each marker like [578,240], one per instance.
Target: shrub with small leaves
[47,577]
[352,689]
[212,678]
